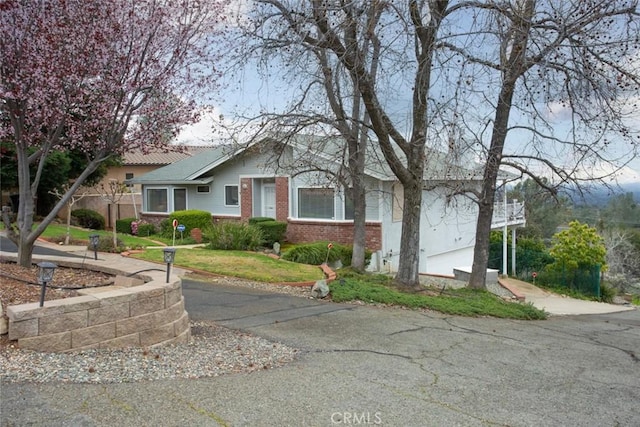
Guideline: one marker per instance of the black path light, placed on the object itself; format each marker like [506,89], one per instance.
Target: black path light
[95,240]
[45,275]
[169,257]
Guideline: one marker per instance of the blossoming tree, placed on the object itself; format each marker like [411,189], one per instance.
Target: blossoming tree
[106,77]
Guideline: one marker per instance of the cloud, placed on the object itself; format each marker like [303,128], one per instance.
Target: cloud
[203,132]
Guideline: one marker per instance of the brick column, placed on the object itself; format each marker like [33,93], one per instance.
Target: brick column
[246,199]
[282,198]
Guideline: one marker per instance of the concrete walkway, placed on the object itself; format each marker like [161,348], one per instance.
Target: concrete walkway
[560,305]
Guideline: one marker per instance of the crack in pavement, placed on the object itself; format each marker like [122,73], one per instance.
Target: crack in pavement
[356,350]
[474,331]
[585,339]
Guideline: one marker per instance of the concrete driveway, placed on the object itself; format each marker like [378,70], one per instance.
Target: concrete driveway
[362,365]
[559,305]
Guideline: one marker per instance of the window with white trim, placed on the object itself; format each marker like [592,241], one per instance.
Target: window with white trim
[316,203]
[231,195]
[156,199]
[203,189]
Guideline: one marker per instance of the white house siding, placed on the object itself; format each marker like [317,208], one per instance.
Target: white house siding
[230,174]
[391,231]
[447,233]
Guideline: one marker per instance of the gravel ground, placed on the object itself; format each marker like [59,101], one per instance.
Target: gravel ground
[213,351]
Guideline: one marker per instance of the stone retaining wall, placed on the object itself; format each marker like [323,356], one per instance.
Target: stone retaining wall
[147,315]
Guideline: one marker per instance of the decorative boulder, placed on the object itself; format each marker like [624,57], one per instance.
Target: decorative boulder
[320,289]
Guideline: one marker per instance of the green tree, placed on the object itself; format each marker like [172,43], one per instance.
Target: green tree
[60,168]
[531,254]
[578,247]
[621,211]
[544,209]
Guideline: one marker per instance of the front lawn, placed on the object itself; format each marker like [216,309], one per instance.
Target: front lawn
[376,288]
[57,232]
[245,265]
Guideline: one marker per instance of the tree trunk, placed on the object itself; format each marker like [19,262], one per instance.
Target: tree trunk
[481,250]
[514,66]
[68,236]
[409,263]
[359,226]
[24,220]
[113,224]
[25,254]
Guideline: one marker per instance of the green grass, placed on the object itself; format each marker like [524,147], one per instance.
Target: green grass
[635,300]
[57,232]
[246,265]
[462,302]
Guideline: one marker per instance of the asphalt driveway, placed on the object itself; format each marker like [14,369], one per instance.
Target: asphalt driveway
[362,365]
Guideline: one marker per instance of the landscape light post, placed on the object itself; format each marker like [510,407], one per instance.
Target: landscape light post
[45,275]
[169,256]
[95,240]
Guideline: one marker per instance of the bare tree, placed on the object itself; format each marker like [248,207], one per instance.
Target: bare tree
[622,257]
[347,36]
[113,192]
[546,89]
[329,108]
[576,57]
[75,197]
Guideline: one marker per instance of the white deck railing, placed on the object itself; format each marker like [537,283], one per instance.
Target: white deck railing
[512,214]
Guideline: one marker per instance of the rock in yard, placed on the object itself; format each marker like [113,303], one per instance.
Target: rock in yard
[320,289]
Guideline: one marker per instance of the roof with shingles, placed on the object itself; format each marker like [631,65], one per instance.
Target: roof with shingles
[187,170]
[196,166]
[161,157]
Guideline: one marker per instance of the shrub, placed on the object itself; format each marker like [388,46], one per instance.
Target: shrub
[228,235]
[105,244]
[124,225]
[531,254]
[190,219]
[166,229]
[258,219]
[318,252]
[607,293]
[579,246]
[146,229]
[88,218]
[272,231]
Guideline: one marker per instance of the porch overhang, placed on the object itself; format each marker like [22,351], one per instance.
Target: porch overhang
[201,181]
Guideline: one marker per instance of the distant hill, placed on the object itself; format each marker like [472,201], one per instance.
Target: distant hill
[598,195]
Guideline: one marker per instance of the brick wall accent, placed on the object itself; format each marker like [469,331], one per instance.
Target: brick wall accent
[147,315]
[282,198]
[246,199]
[303,231]
[218,218]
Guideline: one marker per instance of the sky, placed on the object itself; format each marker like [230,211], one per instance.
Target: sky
[248,98]
[250,93]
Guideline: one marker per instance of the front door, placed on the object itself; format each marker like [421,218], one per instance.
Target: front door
[269,200]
